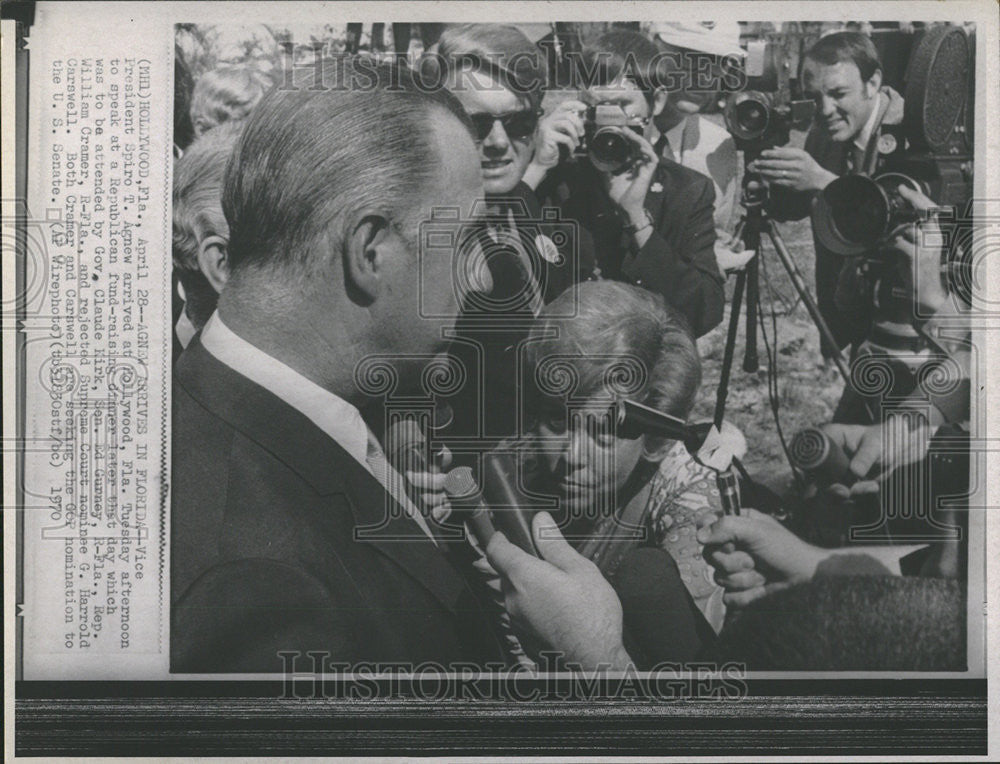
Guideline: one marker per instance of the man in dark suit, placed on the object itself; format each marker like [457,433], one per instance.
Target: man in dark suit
[842,72]
[650,223]
[289,531]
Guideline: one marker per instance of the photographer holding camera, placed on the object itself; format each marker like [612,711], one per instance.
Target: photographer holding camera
[651,220]
[843,74]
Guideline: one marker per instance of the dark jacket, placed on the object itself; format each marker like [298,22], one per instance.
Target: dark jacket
[264,556]
[491,329]
[840,291]
[678,260]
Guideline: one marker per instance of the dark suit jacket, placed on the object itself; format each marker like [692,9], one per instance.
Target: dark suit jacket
[678,261]
[839,289]
[263,550]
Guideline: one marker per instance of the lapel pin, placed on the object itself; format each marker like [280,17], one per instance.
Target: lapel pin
[656,188]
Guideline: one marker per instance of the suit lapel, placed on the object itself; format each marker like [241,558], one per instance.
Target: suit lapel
[656,200]
[293,439]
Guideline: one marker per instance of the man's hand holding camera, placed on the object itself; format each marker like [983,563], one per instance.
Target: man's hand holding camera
[921,244]
[876,450]
[791,168]
[563,126]
[628,187]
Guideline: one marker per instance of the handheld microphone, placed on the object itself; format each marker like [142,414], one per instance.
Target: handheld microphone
[508,504]
[467,504]
[813,452]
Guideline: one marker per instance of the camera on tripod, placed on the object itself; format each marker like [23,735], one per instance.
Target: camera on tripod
[762,115]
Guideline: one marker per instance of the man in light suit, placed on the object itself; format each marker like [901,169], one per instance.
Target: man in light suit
[275,473]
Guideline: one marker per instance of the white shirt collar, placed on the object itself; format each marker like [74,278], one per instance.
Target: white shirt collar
[184,329]
[866,132]
[331,413]
[675,136]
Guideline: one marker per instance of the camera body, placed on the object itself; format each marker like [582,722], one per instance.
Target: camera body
[931,152]
[762,115]
[604,143]
[759,120]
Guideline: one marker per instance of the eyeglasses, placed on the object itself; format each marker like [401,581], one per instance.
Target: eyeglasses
[517,124]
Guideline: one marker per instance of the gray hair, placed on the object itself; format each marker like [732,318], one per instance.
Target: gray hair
[353,134]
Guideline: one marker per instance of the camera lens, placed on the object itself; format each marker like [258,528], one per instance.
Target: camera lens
[609,149]
[748,114]
[859,209]
[752,118]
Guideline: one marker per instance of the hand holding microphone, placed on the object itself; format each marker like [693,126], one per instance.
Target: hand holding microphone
[850,459]
[561,598]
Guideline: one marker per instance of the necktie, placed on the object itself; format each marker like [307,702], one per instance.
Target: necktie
[663,149]
[393,483]
[854,159]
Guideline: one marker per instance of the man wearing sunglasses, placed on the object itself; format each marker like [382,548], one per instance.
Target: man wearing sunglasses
[499,75]
[651,220]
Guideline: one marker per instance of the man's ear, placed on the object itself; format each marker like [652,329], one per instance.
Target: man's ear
[660,98]
[213,260]
[365,253]
[874,83]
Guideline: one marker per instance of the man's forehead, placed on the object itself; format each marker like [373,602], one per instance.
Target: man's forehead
[840,74]
[621,90]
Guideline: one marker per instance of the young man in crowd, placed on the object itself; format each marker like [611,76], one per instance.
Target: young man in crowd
[651,220]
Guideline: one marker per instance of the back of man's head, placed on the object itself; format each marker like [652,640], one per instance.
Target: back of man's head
[852,623]
[197,212]
[350,134]
[852,47]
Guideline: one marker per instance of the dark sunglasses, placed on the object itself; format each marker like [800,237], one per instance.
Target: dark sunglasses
[517,124]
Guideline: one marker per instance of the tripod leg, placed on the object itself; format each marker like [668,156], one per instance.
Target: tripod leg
[800,286]
[727,355]
[750,359]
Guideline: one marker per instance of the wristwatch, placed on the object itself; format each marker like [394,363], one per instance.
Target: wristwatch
[632,230]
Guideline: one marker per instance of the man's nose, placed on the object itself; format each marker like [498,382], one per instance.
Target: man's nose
[575,450]
[497,140]
[827,106]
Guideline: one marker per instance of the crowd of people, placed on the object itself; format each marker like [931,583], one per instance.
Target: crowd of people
[573,282]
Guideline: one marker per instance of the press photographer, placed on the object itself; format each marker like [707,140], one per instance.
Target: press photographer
[651,219]
[843,74]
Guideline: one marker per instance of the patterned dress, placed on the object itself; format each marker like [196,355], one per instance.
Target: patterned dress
[683,491]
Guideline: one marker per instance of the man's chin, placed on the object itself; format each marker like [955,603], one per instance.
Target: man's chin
[500,185]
